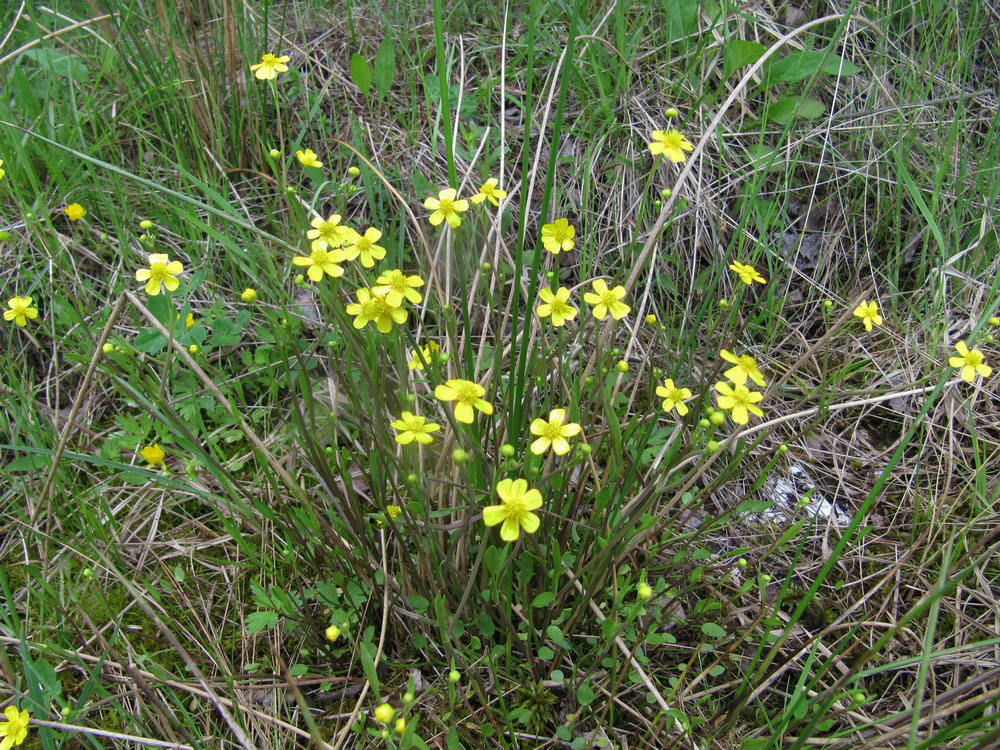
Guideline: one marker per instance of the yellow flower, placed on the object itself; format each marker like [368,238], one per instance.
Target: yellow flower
[432,348]
[374,307]
[558,236]
[411,427]
[748,274]
[487,191]
[364,245]
[321,261]
[75,212]
[466,395]
[514,511]
[269,66]
[15,729]
[308,158]
[153,454]
[739,401]
[2,170]
[868,312]
[746,367]
[327,232]
[249,295]
[553,433]
[671,144]
[446,207]
[20,310]
[604,300]
[396,285]
[161,271]
[673,397]
[971,362]
[189,322]
[555,304]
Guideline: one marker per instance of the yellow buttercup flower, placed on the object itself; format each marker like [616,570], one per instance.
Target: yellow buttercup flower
[671,144]
[432,348]
[321,262]
[411,427]
[396,285]
[364,245]
[446,207]
[269,66]
[746,367]
[673,397]
[748,274]
[738,401]
[374,308]
[971,362]
[488,191]
[153,454]
[868,312]
[308,158]
[162,272]
[189,322]
[553,434]
[555,304]
[327,233]
[604,300]
[466,395]
[15,729]
[75,212]
[514,512]
[20,310]
[558,236]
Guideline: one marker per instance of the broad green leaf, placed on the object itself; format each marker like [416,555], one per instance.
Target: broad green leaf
[543,600]
[738,53]
[258,621]
[712,630]
[785,110]
[361,73]
[584,695]
[60,63]
[801,65]
[385,66]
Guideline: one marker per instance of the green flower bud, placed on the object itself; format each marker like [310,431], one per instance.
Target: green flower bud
[145,225]
[454,676]
[249,295]
[459,456]
[704,423]
[193,348]
[644,591]
[507,450]
[742,562]
[274,153]
[712,446]
[585,449]
[412,478]
[783,448]
[717,418]
[723,304]
[332,633]
[108,348]
[670,112]
[353,171]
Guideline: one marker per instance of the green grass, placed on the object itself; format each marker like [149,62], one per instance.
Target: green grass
[188,605]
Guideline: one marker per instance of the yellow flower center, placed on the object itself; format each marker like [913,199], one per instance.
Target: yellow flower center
[363,245]
[560,233]
[552,430]
[514,507]
[559,308]
[974,358]
[158,271]
[609,298]
[446,206]
[466,393]
[319,257]
[328,231]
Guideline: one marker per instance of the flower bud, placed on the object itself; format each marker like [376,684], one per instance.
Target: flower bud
[193,348]
[459,456]
[145,225]
[274,153]
[704,423]
[332,633]
[651,319]
[507,450]
[622,366]
[671,112]
[249,295]
[384,713]
[717,418]
[454,676]
[353,171]
[644,591]
[712,446]
[108,348]
[993,320]
[400,725]
[742,562]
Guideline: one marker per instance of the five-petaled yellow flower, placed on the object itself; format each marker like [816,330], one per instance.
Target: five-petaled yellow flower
[555,304]
[446,207]
[269,66]
[374,307]
[488,191]
[673,397]
[153,454]
[604,300]
[558,236]
[15,729]
[75,212]
[739,401]
[396,285]
[327,232]
[364,245]
[748,274]
[971,362]
[514,511]
[161,271]
[466,395]
[746,367]
[321,261]
[308,158]
[432,348]
[553,433]
[411,427]
[671,144]
[868,312]
[20,310]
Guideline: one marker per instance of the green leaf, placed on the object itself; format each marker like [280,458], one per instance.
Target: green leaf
[30,462]
[263,620]
[543,600]
[361,73]
[739,53]
[785,110]
[712,630]
[385,66]
[584,695]
[418,603]
[60,63]
[149,341]
[368,664]
[554,633]
[801,65]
